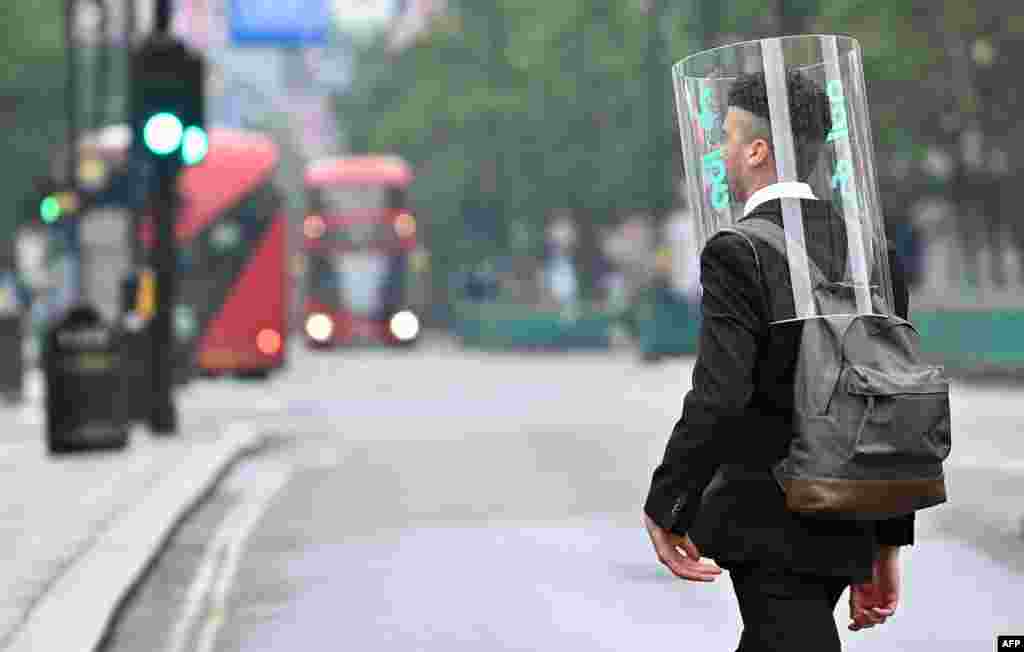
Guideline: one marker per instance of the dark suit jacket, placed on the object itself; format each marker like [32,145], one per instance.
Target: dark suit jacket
[714,482]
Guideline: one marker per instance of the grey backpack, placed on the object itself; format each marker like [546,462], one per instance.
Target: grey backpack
[871,419]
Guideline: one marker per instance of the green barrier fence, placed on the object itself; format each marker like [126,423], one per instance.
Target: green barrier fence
[973,340]
[963,340]
[663,325]
[505,326]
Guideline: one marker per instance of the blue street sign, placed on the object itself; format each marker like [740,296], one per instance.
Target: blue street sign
[286,23]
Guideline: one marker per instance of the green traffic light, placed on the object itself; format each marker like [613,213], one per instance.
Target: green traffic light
[194,145]
[163,133]
[49,209]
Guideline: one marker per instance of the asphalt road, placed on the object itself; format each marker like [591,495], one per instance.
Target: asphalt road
[442,500]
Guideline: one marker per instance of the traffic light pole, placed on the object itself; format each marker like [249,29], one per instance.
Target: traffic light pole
[130,27]
[163,419]
[163,416]
[169,135]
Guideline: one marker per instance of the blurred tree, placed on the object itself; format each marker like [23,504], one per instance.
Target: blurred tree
[32,105]
[526,108]
[30,32]
[955,64]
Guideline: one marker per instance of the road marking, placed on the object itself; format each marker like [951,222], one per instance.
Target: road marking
[31,414]
[206,601]
[34,385]
[978,463]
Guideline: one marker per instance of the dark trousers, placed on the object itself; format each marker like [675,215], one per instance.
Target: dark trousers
[787,612]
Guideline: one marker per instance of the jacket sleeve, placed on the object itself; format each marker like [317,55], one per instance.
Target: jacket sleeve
[723,383]
[897,531]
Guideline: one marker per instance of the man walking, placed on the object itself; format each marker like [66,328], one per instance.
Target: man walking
[782,153]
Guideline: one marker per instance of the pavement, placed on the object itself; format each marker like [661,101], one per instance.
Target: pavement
[82,529]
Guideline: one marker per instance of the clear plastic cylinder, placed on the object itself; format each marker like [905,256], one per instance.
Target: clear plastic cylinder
[810,92]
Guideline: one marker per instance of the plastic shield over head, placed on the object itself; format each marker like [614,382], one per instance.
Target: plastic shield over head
[805,97]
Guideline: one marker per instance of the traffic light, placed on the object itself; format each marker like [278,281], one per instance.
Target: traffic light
[49,209]
[168,117]
[55,205]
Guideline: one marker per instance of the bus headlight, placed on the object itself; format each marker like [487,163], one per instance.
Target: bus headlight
[320,327]
[405,326]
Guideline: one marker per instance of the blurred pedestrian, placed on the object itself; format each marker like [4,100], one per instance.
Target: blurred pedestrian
[714,492]
[907,239]
[685,260]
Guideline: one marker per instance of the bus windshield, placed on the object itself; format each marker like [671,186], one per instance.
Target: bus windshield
[353,216]
[362,276]
[343,199]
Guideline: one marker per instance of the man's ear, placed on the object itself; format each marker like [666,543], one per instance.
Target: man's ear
[758,152]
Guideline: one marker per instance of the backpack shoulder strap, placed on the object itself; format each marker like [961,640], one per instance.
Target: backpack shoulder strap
[774,235]
[741,233]
[762,288]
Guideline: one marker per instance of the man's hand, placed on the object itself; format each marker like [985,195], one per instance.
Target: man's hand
[679,554]
[871,603]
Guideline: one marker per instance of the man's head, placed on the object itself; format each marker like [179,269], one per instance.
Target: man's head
[748,150]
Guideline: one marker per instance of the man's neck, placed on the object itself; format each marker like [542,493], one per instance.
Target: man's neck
[793,189]
[759,185]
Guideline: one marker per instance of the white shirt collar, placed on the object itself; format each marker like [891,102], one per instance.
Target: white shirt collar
[792,189]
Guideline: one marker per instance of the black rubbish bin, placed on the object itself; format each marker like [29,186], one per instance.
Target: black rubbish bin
[82,365]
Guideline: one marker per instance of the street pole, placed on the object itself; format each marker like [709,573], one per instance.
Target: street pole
[130,27]
[163,417]
[101,111]
[70,231]
[71,90]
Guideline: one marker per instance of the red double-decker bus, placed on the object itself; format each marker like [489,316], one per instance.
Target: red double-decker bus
[360,240]
[231,230]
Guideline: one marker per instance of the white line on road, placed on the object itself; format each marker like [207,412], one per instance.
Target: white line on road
[976,463]
[206,601]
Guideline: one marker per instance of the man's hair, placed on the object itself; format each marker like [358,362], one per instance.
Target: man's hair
[810,115]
